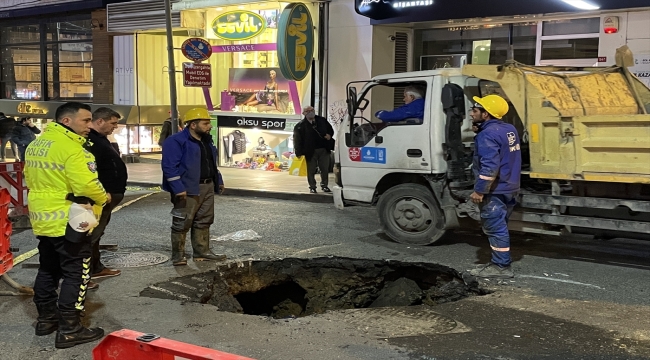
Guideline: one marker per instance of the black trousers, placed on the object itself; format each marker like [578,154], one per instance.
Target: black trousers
[96,265]
[320,160]
[62,259]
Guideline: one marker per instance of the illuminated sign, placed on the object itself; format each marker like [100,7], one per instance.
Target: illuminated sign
[238,25]
[407,11]
[295,41]
[25,108]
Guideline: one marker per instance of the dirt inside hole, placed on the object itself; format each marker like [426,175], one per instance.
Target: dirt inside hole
[302,287]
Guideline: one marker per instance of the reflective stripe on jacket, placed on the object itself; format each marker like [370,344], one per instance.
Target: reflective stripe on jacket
[57,164]
[497,158]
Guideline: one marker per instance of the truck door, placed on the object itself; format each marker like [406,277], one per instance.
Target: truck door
[375,148]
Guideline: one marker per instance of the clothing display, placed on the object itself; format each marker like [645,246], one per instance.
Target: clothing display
[233,144]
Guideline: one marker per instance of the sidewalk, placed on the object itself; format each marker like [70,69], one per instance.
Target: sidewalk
[241,182]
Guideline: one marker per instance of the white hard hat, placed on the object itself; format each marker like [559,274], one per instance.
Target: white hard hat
[81,219]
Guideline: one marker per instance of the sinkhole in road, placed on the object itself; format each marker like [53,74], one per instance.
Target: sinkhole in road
[302,287]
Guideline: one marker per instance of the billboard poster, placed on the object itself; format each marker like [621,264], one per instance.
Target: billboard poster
[258,90]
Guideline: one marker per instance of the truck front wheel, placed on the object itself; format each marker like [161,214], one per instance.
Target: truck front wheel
[409,214]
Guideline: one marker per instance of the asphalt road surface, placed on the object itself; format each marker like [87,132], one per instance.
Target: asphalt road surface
[575,298]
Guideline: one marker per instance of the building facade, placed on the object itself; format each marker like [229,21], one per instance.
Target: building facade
[397,36]
[52,52]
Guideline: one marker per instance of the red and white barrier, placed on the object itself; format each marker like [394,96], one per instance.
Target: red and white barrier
[6,257]
[12,178]
[132,345]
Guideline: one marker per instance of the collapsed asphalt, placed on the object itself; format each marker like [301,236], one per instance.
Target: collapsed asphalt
[571,299]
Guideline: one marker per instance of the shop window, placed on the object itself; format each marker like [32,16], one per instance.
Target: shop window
[69,30]
[68,65]
[21,34]
[570,42]
[486,44]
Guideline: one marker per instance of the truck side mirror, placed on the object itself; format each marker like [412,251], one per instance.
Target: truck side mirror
[379,139]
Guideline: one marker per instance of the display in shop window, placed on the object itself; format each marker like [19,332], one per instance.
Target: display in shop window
[258,90]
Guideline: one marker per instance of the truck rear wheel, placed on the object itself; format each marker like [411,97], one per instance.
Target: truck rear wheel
[409,214]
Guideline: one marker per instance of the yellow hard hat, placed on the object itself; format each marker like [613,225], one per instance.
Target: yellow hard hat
[495,105]
[197,114]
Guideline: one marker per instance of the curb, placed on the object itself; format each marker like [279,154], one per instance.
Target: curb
[312,198]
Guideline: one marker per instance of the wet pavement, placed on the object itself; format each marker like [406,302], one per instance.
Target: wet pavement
[572,298]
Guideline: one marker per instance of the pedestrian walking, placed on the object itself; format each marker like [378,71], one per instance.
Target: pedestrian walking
[312,138]
[62,178]
[112,173]
[23,134]
[7,125]
[190,175]
[497,170]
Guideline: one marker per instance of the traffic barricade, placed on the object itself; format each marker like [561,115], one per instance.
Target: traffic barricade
[6,257]
[13,179]
[132,345]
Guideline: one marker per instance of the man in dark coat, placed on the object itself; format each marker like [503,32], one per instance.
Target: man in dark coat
[112,173]
[23,134]
[312,138]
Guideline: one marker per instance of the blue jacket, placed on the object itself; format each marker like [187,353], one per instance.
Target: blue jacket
[181,164]
[497,158]
[415,109]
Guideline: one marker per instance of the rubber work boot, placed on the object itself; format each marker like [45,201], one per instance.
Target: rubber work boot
[48,319]
[201,246]
[492,271]
[178,249]
[72,333]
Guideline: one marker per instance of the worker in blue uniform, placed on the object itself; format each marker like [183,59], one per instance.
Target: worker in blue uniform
[190,175]
[497,170]
[413,107]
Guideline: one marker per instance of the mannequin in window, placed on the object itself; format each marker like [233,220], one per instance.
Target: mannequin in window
[267,99]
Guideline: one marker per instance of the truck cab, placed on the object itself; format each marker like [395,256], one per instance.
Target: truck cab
[393,165]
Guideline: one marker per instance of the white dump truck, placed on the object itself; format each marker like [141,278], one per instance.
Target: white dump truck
[585,144]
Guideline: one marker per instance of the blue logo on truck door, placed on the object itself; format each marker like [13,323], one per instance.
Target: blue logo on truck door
[373,155]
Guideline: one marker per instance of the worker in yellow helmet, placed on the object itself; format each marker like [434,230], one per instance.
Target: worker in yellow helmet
[497,172]
[190,175]
[63,190]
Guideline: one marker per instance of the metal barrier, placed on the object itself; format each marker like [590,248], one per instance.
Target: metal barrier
[132,345]
[13,179]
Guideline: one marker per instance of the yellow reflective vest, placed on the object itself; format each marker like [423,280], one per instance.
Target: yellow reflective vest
[57,164]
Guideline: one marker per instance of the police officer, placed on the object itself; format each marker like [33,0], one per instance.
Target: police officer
[190,175]
[497,170]
[59,172]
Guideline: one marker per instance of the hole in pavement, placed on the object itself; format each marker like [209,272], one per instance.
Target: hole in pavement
[302,287]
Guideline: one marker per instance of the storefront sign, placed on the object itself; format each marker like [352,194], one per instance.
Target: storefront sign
[25,108]
[406,11]
[244,48]
[295,41]
[197,75]
[251,122]
[238,25]
[196,49]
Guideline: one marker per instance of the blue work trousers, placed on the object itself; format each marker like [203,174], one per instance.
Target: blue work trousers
[495,211]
